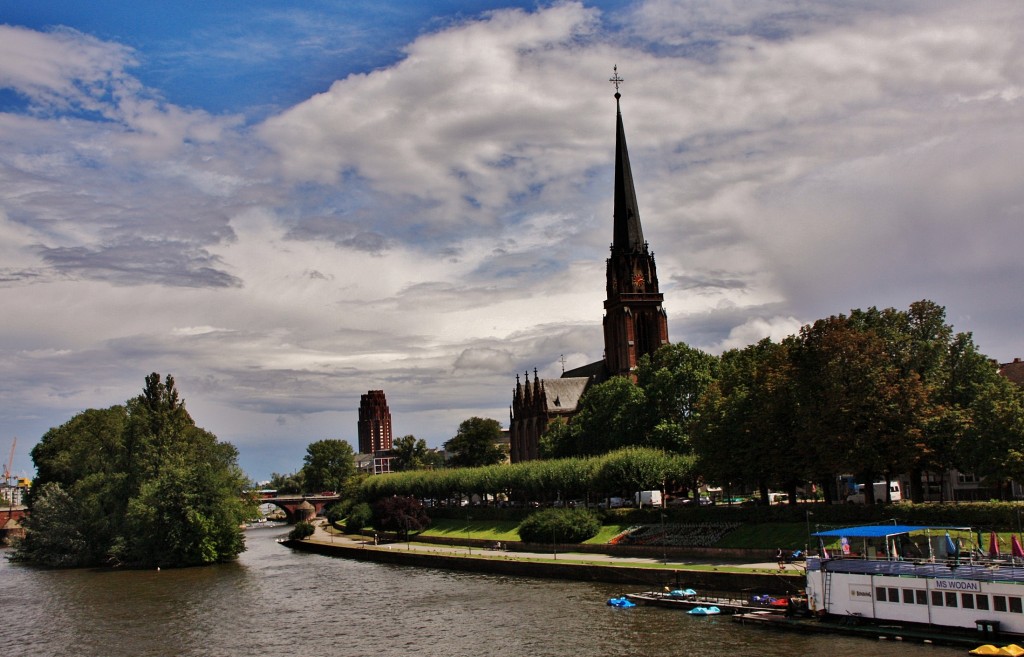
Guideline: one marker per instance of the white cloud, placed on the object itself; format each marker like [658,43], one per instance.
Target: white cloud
[468,119]
[756,329]
[436,226]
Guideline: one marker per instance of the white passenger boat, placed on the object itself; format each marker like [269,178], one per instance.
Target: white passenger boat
[917,575]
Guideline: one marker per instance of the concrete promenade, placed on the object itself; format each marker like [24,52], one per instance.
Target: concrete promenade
[702,574]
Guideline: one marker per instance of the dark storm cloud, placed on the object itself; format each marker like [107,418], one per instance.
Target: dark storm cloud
[345,233]
[142,262]
[709,281]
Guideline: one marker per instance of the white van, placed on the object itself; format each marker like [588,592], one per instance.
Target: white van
[648,498]
[895,494]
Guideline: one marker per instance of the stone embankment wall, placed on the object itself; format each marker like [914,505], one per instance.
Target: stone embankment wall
[648,551]
[646,578]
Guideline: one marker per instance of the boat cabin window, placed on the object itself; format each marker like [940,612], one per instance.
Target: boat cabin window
[922,596]
[1015,606]
[936,598]
[894,595]
[967,600]
[908,596]
[982,601]
[880,593]
[999,602]
[950,599]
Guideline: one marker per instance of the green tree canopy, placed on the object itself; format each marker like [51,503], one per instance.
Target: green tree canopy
[610,416]
[674,379]
[327,465]
[408,453]
[477,443]
[287,484]
[138,485]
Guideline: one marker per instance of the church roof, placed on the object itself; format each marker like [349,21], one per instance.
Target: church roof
[627,233]
[564,394]
[598,370]
[1013,371]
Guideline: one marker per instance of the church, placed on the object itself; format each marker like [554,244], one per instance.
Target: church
[635,322]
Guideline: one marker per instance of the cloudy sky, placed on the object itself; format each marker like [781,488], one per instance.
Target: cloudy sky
[286,204]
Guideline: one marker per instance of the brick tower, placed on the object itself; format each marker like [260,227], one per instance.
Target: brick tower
[635,322]
[374,423]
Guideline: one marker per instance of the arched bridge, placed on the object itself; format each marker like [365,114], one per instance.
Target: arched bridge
[290,504]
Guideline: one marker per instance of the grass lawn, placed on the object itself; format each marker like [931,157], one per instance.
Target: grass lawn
[607,533]
[487,530]
[768,536]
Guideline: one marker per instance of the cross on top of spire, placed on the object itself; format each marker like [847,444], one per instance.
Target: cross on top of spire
[616,80]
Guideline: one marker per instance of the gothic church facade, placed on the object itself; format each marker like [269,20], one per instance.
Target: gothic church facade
[635,322]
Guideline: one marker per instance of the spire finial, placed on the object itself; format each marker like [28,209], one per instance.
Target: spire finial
[616,80]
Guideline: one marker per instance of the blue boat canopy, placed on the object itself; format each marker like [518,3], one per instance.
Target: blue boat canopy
[881,531]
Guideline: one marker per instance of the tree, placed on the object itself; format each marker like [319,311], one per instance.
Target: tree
[610,416]
[860,410]
[743,433]
[408,453]
[359,516]
[287,484]
[400,514]
[138,485]
[327,465]
[477,443]
[674,379]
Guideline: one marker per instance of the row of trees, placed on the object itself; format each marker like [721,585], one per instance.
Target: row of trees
[877,393]
[137,484]
[619,473]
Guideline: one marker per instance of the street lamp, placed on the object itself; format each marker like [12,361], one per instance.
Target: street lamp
[807,545]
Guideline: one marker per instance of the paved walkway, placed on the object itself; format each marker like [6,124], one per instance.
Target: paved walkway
[321,535]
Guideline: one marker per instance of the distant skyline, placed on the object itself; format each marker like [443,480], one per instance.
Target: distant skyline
[287,204]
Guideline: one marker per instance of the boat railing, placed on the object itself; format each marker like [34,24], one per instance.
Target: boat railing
[991,570]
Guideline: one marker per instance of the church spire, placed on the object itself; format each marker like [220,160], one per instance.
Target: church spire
[627,234]
[635,322]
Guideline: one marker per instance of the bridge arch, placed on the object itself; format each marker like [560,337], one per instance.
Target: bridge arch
[292,505]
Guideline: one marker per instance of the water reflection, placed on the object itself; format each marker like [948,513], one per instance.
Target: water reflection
[277,602]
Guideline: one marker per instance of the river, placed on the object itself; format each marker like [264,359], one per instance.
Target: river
[275,601]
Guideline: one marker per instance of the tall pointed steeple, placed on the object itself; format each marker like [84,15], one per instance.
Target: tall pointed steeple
[627,235]
[635,322]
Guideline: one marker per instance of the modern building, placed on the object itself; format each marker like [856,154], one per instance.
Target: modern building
[635,322]
[374,424]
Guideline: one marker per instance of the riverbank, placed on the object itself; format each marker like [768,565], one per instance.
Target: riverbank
[644,572]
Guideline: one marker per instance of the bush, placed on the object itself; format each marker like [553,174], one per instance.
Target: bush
[560,526]
[337,512]
[300,531]
[359,516]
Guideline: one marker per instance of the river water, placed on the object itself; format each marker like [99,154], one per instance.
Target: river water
[274,601]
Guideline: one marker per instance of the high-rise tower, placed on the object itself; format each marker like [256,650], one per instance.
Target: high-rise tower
[635,322]
[374,423]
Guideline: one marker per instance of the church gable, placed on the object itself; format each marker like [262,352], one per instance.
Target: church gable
[563,395]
